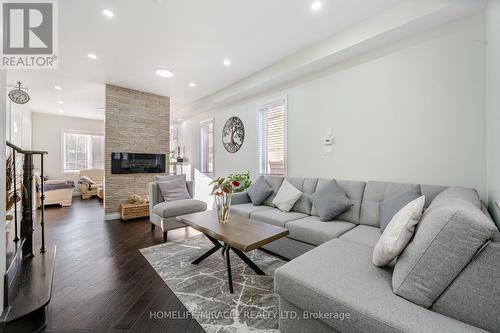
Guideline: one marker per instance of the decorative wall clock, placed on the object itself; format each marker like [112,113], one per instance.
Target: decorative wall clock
[18,95]
[233,134]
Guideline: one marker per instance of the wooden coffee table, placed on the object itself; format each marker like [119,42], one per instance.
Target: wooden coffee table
[239,234]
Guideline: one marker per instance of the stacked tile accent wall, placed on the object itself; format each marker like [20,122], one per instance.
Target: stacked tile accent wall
[136,122]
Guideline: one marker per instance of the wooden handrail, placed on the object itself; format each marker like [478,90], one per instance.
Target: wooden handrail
[25,152]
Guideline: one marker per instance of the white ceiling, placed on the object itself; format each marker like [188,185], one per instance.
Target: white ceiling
[191,37]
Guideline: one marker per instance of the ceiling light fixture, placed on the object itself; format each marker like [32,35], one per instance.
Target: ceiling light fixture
[192,84]
[60,102]
[163,72]
[57,87]
[227,62]
[107,13]
[92,56]
[61,111]
[316,5]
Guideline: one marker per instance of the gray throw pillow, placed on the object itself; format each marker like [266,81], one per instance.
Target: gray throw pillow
[174,189]
[389,207]
[259,191]
[331,201]
[170,177]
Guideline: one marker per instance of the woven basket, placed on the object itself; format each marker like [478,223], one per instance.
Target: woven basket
[131,211]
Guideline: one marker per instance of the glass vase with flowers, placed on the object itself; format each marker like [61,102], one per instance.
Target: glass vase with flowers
[224,187]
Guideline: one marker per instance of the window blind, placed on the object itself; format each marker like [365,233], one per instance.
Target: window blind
[272,138]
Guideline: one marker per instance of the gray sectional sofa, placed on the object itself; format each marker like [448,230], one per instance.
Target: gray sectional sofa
[446,280]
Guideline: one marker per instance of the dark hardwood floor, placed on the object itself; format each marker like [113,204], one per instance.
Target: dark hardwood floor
[101,282]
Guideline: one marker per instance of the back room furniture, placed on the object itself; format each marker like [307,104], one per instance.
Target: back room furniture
[90,190]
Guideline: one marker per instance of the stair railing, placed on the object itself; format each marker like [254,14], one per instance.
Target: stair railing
[27,221]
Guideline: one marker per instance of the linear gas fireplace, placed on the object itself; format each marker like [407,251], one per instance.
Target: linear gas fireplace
[126,163]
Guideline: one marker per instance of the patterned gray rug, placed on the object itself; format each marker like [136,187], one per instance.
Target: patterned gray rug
[204,289]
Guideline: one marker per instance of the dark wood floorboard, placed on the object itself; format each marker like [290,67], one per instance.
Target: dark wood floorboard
[102,283]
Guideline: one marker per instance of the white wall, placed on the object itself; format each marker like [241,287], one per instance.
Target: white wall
[19,124]
[47,135]
[493,97]
[411,112]
[3,107]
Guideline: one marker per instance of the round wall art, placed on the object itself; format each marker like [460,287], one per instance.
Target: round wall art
[233,134]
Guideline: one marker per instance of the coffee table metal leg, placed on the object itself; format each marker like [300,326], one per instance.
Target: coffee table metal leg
[217,245]
[229,274]
[225,252]
[248,261]
[206,255]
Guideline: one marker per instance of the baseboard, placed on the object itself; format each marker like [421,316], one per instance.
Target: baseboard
[112,216]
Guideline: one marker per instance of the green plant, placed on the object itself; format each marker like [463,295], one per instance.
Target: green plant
[237,182]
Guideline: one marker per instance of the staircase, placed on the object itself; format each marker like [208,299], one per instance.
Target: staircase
[28,277]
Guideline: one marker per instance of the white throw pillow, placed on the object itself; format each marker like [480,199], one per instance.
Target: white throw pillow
[287,196]
[398,233]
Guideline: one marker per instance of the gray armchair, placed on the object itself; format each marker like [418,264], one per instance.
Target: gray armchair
[163,213]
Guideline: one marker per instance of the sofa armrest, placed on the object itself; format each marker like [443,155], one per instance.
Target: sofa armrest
[240,198]
[154,197]
[190,188]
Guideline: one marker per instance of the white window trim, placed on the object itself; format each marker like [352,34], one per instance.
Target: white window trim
[63,148]
[259,104]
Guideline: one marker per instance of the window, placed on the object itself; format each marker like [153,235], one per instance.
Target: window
[272,137]
[207,146]
[82,151]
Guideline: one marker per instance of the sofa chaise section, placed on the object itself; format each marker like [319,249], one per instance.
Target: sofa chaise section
[338,278]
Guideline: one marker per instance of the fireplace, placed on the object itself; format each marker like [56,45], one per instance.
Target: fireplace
[126,163]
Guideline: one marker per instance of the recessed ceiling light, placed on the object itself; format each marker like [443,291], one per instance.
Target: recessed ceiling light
[57,87]
[192,84]
[163,72]
[316,5]
[61,111]
[92,56]
[227,62]
[107,13]
[60,102]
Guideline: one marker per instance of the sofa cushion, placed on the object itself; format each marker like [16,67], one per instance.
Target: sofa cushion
[398,233]
[354,190]
[174,189]
[307,186]
[247,209]
[287,196]
[456,196]
[330,201]
[259,191]
[338,277]
[363,235]
[446,239]
[377,192]
[389,207]
[474,295]
[275,183]
[179,207]
[276,217]
[313,231]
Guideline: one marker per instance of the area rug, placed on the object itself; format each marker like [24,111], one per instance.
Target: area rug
[204,289]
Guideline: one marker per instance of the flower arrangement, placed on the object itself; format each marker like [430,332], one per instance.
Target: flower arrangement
[237,182]
[223,187]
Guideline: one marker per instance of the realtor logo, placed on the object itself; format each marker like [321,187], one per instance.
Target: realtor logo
[29,35]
